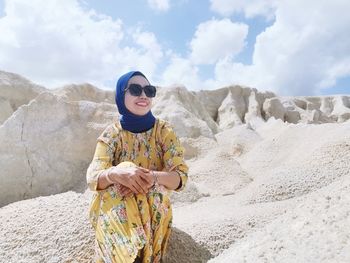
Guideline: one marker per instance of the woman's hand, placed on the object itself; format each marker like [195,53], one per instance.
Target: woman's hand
[149,179]
[131,177]
[123,190]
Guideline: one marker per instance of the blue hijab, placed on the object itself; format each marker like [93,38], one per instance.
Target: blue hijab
[128,120]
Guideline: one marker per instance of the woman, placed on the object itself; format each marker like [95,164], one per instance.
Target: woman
[137,162]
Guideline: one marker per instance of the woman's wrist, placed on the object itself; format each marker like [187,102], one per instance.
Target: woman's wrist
[171,180]
[104,180]
[108,176]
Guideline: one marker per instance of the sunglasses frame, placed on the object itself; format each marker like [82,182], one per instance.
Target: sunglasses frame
[140,88]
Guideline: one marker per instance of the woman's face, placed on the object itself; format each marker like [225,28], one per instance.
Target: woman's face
[138,105]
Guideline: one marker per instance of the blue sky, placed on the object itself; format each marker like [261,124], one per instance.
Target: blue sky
[290,48]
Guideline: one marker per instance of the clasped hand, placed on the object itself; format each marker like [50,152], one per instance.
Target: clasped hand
[131,180]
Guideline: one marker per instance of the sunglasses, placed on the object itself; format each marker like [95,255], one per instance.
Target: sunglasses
[136,90]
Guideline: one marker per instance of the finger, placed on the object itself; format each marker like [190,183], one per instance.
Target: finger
[135,186]
[144,184]
[145,170]
[147,184]
[151,179]
[129,184]
[144,177]
[142,172]
[134,189]
[127,192]
[148,177]
[139,184]
[124,191]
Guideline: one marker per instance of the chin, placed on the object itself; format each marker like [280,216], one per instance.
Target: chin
[139,111]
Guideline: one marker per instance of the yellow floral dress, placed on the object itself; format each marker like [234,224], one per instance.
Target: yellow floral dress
[140,225]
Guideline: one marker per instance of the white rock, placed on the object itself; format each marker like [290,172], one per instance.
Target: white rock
[184,111]
[85,91]
[47,145]
[273,108]
[14,92]
[6,110]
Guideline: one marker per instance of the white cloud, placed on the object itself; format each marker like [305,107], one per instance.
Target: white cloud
[249,8]
[57,42]
[227,73]
[181,71]
[151,50]
[159,5]
[305,50]
[216,39]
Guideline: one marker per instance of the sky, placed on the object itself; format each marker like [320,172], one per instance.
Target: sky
[292,48]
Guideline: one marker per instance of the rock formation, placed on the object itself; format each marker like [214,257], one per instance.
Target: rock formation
[47,145]
[14,92]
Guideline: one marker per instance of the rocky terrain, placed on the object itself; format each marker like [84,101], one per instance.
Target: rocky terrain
[269,176]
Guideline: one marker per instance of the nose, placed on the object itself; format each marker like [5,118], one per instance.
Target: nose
[143,94]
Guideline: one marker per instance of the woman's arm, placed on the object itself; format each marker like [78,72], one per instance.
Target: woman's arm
[170,180]
[103,159]
[102,181]
[173,160]
[96,171]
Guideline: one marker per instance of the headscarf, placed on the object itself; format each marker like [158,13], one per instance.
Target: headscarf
[128,120]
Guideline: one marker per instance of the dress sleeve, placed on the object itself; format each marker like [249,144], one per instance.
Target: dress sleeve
[103,158]
[173,155]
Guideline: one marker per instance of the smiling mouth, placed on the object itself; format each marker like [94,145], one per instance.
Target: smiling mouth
[142,104]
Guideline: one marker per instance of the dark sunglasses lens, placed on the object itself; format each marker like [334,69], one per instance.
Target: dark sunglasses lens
[150,91]
[135,89]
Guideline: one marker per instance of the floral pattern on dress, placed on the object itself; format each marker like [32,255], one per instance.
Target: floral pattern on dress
[126,225]
[120,211]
